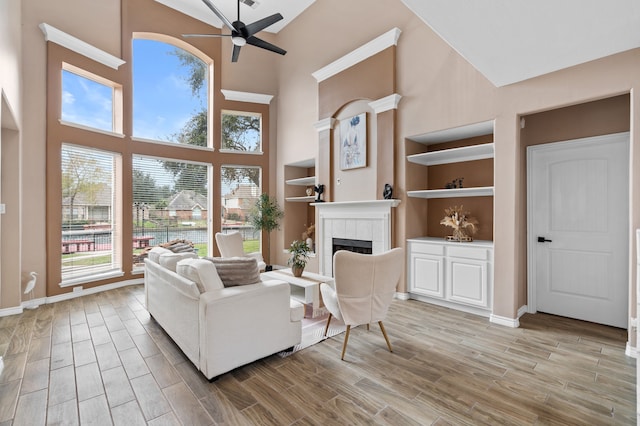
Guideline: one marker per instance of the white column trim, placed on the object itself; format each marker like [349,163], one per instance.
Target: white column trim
[385,104]
[83,48]
[256,98]
[378,44]
[325,124]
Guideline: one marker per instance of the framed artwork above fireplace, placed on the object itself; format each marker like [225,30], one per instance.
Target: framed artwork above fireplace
[353,142]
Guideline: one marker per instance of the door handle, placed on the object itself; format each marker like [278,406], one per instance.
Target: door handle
[543,240]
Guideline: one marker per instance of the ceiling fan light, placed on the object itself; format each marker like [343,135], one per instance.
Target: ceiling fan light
[238,41]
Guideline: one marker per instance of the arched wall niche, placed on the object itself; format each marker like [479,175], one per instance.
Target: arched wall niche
[349,93]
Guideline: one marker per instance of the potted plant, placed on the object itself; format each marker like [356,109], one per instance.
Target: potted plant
[266,215]
[299,251]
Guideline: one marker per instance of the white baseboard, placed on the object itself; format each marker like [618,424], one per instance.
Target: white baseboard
[11,311]
[631,351]
[401,296]
[34,303]
[93,290]
[523,310]
[507,322]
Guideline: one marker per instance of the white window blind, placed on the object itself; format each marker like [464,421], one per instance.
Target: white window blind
[90,233]
[170,203]
[241,188]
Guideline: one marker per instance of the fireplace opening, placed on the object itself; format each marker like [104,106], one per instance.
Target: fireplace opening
[357,246]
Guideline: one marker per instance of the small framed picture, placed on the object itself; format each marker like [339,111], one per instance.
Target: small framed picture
[353,142]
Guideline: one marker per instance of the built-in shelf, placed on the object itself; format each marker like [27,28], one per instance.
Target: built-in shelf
[305,181]
[481,191]
[454,155]
[307,199]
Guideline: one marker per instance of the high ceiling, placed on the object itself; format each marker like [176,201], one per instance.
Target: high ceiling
[506,40]
[229,8]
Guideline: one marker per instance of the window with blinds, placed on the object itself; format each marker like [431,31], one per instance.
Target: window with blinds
[90,237]
[171,205]
[241,188]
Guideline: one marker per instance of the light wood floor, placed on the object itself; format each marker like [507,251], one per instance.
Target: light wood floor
[101,359]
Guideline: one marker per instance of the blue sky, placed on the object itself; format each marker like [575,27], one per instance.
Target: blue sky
[162,101]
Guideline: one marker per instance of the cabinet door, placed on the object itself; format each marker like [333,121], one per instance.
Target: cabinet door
[467,281]
[426,275]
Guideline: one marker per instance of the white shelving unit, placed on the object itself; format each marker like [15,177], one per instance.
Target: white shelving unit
[481,191]
[454,155]
[305,199]
[304,181]
[299,177]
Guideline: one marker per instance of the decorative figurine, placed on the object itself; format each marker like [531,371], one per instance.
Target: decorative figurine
[388,191]
[319,189]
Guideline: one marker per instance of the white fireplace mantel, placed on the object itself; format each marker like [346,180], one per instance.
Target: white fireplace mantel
[361,220]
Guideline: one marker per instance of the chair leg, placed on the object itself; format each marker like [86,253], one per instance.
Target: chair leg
[326,329]
[346,339]
[384,333]
[367,326]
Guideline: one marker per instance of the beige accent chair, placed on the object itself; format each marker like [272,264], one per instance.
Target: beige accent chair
[230,245]
[363,287]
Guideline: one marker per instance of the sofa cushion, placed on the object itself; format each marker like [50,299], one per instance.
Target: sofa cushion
[235,271]
[296,310]
[171,259]
[200,271]
[156,252]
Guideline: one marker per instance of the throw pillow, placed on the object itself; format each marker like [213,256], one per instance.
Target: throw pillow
[235,271]
[156,252]
[171,259]
[200,271]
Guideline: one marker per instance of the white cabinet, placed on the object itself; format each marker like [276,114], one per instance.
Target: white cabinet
[452,274]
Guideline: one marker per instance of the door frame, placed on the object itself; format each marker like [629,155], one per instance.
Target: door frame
[531,240]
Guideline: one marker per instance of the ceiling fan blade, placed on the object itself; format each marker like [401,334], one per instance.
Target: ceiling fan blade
[263,23]
[219,14]
[255,41]
[206,35]
[235,54]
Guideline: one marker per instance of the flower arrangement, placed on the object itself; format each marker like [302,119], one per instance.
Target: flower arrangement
[464,226]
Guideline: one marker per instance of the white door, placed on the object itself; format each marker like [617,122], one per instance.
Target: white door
[578,195]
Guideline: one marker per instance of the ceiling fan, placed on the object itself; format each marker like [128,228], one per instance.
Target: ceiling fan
[242,34]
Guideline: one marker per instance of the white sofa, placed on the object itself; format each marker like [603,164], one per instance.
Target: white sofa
[218,328]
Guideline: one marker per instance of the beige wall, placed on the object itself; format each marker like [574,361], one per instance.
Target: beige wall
[11,123]
[441,90]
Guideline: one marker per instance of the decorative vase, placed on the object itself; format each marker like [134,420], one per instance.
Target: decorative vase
[297,270]
[309,242]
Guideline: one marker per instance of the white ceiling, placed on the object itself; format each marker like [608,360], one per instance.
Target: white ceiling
[514,40]
[229,8]
[506,40]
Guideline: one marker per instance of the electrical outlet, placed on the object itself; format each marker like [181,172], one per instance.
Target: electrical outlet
[3,208]
[77,289]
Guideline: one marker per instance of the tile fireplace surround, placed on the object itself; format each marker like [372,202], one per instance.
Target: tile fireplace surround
[359,220]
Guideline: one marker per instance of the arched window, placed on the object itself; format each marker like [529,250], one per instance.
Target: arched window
[170,94]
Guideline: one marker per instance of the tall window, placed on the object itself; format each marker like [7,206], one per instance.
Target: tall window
[170,94]
[88,100]
[89,232]
[241,187]
[170,204]
[241,131]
